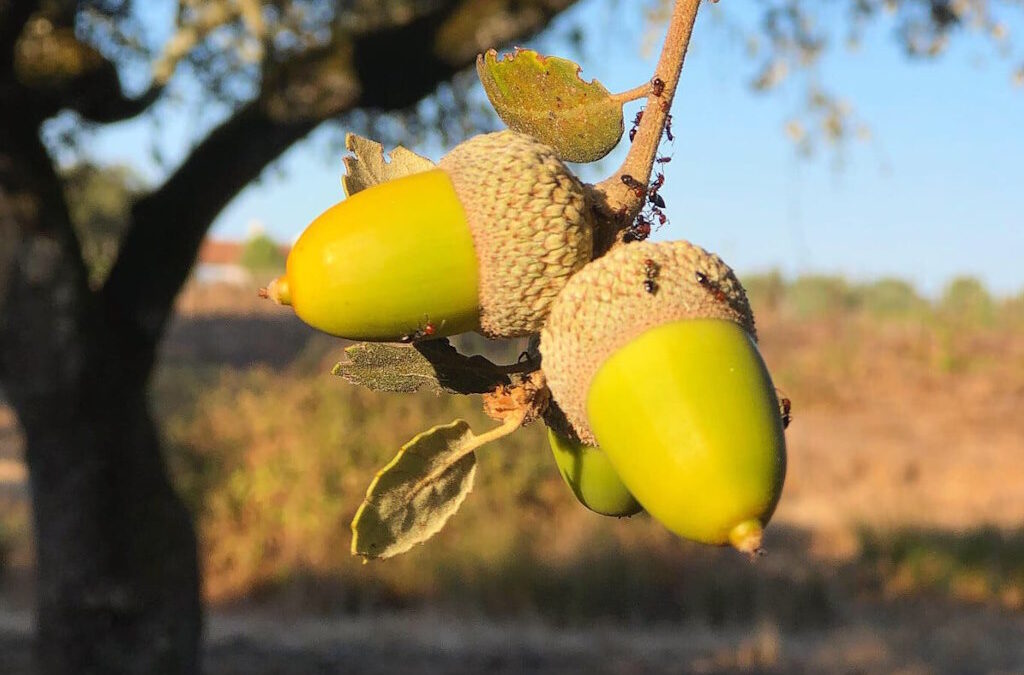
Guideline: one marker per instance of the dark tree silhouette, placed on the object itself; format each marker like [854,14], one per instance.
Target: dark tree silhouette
[118,583]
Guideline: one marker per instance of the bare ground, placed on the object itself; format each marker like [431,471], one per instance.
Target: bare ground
[894,428]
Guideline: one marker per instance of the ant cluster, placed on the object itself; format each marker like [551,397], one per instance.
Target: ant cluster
[651,270]
[652,214]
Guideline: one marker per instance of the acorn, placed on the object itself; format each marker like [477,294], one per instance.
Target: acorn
[483,242]
[591,477]
[650,352]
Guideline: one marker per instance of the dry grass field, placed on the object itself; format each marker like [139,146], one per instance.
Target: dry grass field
[898,545]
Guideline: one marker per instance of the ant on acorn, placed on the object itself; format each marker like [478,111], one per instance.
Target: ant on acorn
[651,270]
[427,330]
[706,284]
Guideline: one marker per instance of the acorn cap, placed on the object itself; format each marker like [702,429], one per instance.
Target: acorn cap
[621,295]
[530,225]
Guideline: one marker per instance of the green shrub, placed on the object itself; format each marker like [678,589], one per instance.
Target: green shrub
[766,291]
[967,301]
[891,298]
[262,255]
[819,296]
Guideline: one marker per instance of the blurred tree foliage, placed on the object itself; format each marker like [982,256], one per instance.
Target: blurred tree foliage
[99,203]
[891,298]
[967,300]
[262,255]
[788,40]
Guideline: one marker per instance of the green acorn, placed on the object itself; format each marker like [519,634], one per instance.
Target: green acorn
[483,242]
[591,477]
[650,352]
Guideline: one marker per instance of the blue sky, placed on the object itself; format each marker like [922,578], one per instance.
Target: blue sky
[937,192]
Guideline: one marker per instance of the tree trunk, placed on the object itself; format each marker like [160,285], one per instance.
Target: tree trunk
[117,578]
[117,575]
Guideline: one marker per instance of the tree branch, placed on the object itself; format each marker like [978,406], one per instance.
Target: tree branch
[168,225]
[621,203]
[390,68]
[44,293]
[14,14]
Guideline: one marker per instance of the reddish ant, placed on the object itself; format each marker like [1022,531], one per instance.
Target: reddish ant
[636,124]
[636,186]
[651,270]
[657,86]
[787,411]
[652,192]
[663,160]
[427,330]
[706,284]
[639,230]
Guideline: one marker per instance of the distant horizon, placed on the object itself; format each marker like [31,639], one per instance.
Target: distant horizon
[743,274]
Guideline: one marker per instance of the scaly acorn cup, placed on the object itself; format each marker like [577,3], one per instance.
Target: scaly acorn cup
[591,477]
[650,352]
[484,242]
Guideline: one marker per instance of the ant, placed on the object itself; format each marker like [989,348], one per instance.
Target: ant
[652,192]
[787,411]
[639,230]
[636,186]
[663,160]
[636,124]
[668,128]
[657,86]
[427,330]
[651,270]
[706,284]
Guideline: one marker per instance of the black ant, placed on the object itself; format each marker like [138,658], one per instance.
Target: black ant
[657,86]
[652,191]
[636,124]
[639,230]
[668,128]
[706,284]
[663,160]
[651,270]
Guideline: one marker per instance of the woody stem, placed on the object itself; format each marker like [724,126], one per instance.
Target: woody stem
[617,200]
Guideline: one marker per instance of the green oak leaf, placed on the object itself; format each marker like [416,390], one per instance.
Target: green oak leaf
[412,497]
[433,365]
[368,167]
[543,96]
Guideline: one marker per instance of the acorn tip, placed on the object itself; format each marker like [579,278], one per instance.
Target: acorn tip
[277,290]
[746,538]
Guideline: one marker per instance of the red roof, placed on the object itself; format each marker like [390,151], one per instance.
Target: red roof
[224,252]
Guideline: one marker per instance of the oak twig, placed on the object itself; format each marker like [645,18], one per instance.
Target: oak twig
[619,203]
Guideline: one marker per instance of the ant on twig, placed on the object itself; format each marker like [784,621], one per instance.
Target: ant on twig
[636,124]
[636,186]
